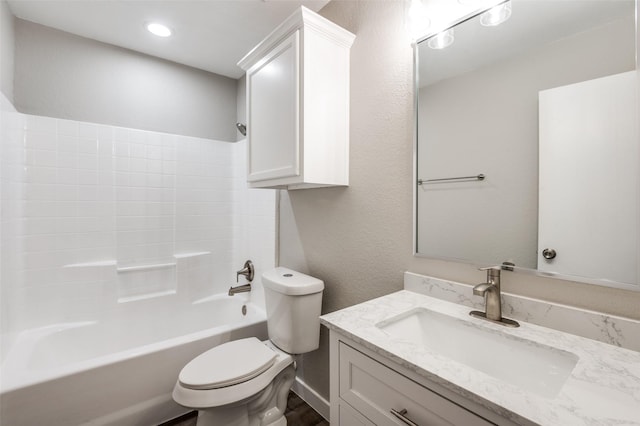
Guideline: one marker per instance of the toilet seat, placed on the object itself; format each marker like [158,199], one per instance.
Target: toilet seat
[233,363]
[207,398]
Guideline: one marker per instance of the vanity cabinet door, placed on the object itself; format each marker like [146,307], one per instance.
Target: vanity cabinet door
[350,417]
[375,390]
[273,113]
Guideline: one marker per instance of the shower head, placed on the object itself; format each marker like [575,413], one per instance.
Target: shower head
[242,128]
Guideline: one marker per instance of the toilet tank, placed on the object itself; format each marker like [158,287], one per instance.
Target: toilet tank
[293,301]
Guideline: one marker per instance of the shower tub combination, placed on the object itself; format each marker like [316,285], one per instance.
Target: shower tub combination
[117,372]
[109,297]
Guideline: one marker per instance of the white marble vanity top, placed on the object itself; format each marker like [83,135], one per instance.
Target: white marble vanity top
[602,389]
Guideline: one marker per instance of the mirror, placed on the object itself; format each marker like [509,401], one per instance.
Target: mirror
[535,120]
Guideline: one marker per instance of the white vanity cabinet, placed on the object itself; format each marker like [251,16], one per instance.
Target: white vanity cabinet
[366,389]
[298,105]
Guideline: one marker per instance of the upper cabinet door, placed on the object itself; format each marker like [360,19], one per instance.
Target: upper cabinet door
[298,105]
[273,113]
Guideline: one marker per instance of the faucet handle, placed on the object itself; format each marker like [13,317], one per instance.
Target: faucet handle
[247,271]
[493,273]
[488,268]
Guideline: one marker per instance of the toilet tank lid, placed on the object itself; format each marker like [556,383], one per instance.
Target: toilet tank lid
[289,282]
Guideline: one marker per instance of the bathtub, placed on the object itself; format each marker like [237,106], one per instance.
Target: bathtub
[116,372]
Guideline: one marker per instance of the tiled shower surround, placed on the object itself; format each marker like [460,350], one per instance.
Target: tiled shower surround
[96,217]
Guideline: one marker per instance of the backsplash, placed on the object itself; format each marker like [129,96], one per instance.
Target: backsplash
[618,331]
[94,215]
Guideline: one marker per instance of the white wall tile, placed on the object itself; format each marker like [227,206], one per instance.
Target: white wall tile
[88,192]
[38,174]
[67,143]
[88,131]
[87,161]
[67,160]
[88,146]
[105,146]
[40,157]
[82,192]
[32,191]
[137,136]
[67,128]
[66,192]
[87,177]
[44,124]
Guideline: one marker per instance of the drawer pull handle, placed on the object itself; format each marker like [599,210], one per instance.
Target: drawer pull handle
[402,416]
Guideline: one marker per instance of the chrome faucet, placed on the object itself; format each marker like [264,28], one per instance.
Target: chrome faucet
[493,302]
[248,272]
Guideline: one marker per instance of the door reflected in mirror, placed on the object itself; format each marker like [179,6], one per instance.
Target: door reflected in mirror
[544,106]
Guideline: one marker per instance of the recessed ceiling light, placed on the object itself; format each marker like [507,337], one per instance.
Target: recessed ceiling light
[159,29]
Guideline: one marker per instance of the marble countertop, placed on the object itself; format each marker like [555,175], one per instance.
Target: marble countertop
[603,388]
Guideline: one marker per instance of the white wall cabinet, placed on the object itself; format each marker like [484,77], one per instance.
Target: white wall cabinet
[366,389]
[298,105]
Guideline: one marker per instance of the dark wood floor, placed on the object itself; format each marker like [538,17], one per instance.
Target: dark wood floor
[298,413]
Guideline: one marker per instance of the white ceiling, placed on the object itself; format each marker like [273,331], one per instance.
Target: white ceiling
[212,35]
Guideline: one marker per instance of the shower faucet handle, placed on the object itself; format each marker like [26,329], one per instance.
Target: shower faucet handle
[247,270]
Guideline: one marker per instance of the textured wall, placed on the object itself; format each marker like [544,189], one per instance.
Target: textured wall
[65,76]
[359,239]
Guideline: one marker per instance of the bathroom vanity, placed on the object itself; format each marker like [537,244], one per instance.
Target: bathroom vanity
[410,358]
[373,390]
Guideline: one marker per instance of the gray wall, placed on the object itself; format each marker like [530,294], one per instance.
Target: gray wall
[359,239]
[6,50]
[61,75]
[241,115]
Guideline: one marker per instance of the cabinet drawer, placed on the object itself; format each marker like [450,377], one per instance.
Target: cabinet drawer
[374,390]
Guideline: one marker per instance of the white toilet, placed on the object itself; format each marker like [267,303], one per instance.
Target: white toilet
[246,382]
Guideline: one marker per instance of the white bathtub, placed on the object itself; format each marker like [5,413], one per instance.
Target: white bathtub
[118,372]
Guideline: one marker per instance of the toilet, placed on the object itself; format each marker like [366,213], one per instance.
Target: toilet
[246,382]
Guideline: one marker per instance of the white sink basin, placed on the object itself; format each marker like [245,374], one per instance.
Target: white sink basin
[530,365]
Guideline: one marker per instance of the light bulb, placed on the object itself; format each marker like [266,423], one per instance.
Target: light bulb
[496,15]
[441,40]
[418,19]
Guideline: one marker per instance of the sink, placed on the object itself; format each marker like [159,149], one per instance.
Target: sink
[530,365]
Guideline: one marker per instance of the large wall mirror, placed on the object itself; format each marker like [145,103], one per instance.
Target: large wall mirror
[527,141]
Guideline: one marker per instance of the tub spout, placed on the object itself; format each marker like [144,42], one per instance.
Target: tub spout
[239,289]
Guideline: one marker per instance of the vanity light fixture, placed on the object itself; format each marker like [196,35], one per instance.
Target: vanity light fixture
[158,29]
[496,15]
[441,40]
[419,21]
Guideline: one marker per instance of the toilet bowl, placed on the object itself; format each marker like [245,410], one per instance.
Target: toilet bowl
[246,382]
